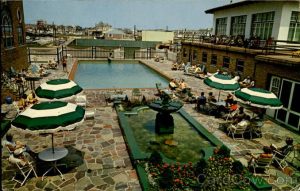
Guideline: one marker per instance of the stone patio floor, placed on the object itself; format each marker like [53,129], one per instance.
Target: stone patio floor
[106,164]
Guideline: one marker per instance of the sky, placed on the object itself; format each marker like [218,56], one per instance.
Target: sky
[145,14]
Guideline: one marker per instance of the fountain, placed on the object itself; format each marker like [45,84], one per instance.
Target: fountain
[164,122]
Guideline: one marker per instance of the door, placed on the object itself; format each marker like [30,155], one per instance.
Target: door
[289,95]
[274,87]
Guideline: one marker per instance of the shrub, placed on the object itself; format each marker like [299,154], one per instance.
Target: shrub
[155,158]
[223,152]
[200,166]
[166,179]
[237,167]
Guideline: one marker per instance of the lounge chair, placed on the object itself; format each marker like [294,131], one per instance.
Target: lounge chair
[296,53]
[81,100]
[24,167]
[280,157]
[261,166]
[90,114]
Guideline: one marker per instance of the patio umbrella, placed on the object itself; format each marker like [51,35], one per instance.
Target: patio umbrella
[258,97]
[58,89]
[50,117]
[222,82]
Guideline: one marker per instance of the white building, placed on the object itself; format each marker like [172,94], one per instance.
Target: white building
[264,18]
[161,36]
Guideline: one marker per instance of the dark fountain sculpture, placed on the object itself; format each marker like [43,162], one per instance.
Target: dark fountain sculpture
[164,123]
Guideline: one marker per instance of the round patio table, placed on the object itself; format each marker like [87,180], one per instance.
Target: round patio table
[53,155]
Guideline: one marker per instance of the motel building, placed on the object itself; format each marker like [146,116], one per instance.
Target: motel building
[274,61]
[13,46]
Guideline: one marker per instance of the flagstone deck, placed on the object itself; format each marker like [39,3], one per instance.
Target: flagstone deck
[106,163]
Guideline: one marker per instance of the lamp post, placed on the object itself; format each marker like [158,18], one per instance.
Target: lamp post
[54,32]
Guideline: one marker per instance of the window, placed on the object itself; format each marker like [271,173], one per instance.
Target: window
[214,59]
[20,28]
[262,25]
[239,65]
[221,25]
[204,57]
[226,62]
[20,34]
[194,55]
[238,25]
[7,30]
[294,30]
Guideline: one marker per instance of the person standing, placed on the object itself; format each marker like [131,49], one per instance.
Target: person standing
[64,63]
[201,102]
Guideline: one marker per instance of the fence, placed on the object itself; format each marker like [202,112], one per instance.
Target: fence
[44,54]
[95,52]
[269,46]
[149,54]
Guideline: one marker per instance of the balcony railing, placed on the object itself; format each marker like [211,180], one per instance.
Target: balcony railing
[269,46]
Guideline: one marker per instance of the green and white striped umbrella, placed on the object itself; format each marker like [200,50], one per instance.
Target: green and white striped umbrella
[49,117]
[258,97]
[222,82]
[58,89]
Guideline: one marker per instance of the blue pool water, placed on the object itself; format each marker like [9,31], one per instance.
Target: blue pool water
[93,75]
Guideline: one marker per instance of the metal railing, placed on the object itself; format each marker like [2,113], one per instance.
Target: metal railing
[268,46]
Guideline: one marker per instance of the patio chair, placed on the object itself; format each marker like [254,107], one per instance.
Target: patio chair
[81,100]
[136,94]
[25,168]
[261,166]
[90,114]
[238,129]
[296,154]
[280,157]
[231,114]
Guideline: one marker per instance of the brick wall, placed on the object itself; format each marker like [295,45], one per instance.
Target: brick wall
[264,71]
[15,56]
[248,58]
[260,71]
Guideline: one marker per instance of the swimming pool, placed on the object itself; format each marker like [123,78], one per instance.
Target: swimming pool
[125,74]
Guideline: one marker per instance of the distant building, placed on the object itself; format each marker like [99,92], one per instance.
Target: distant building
[270,63]
[162,36]
[277,19]
[13,48]
[114,34]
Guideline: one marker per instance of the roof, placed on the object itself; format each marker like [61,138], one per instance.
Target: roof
[285,60]
[241,3]
[114,31]
[114,43]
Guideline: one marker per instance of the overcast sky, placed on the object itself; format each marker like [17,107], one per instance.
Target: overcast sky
[145,14]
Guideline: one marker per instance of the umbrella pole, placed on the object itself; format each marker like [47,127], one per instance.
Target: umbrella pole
[219,95]
[52,144]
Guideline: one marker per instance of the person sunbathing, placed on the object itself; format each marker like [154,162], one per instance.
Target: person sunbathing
[173,84]
[22,103]
[197,70]
[175,66]
[182,86]
[17,148]
[31,99]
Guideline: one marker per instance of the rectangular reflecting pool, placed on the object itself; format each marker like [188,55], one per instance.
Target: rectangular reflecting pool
[118,74]
[182,146]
